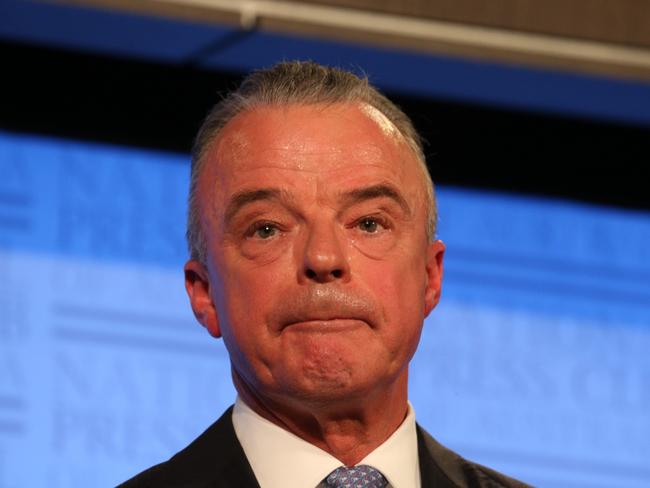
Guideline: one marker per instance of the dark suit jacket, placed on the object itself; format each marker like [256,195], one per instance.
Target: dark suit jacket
[216,460]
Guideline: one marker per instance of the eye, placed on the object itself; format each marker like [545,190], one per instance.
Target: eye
[264,230]
[370,225]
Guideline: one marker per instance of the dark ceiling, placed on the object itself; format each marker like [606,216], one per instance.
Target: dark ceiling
[156,105]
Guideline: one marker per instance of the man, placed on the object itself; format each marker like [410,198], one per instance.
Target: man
[311,232]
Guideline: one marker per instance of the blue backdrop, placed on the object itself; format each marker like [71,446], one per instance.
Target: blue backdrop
[534,363]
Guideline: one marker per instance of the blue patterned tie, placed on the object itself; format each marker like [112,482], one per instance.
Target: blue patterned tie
[357,477]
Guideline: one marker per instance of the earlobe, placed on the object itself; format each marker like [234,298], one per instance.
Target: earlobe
[197,285]
[434,267]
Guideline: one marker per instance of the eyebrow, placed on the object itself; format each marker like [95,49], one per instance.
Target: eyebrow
[246,197]
[381,190]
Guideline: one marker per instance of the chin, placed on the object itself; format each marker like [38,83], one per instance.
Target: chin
[327,386]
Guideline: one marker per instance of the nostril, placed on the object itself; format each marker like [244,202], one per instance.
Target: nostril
[314,275]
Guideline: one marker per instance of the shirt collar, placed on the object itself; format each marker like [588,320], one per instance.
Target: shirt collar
[397,458]
[282,459]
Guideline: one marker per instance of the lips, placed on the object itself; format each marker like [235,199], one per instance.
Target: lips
[317,313]
[329,325]
[330,307]
[321,318]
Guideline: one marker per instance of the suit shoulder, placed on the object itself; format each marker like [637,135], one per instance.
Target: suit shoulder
[149,478]
[215,458]
[460,472]
[178,471]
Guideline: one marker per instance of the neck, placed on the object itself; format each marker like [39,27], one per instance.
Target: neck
[348,430]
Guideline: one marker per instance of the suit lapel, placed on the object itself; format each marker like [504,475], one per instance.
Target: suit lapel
[216,459]
[431,475]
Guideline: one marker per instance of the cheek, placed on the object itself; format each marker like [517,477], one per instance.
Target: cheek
[242,308]
[249,291]
[374,246]
[397,274]
[253,268]
[398,285]
[260,252]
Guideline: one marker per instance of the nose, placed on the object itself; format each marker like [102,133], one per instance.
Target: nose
[324,258]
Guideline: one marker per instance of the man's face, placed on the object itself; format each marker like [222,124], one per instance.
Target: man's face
[319,271]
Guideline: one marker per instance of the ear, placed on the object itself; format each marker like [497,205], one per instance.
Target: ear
[435,253]
[197,285]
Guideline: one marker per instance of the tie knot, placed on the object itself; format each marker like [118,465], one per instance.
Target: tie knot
[363,476]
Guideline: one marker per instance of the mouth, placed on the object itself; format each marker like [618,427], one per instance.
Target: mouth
[323,325]
[323,310]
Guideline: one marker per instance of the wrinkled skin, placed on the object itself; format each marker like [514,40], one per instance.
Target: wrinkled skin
[319,271]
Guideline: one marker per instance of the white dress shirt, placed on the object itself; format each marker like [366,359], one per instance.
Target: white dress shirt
[281,459]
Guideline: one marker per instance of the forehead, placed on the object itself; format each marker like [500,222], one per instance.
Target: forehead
[332,142]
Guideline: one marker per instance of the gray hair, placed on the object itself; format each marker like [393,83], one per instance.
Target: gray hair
[295,82]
